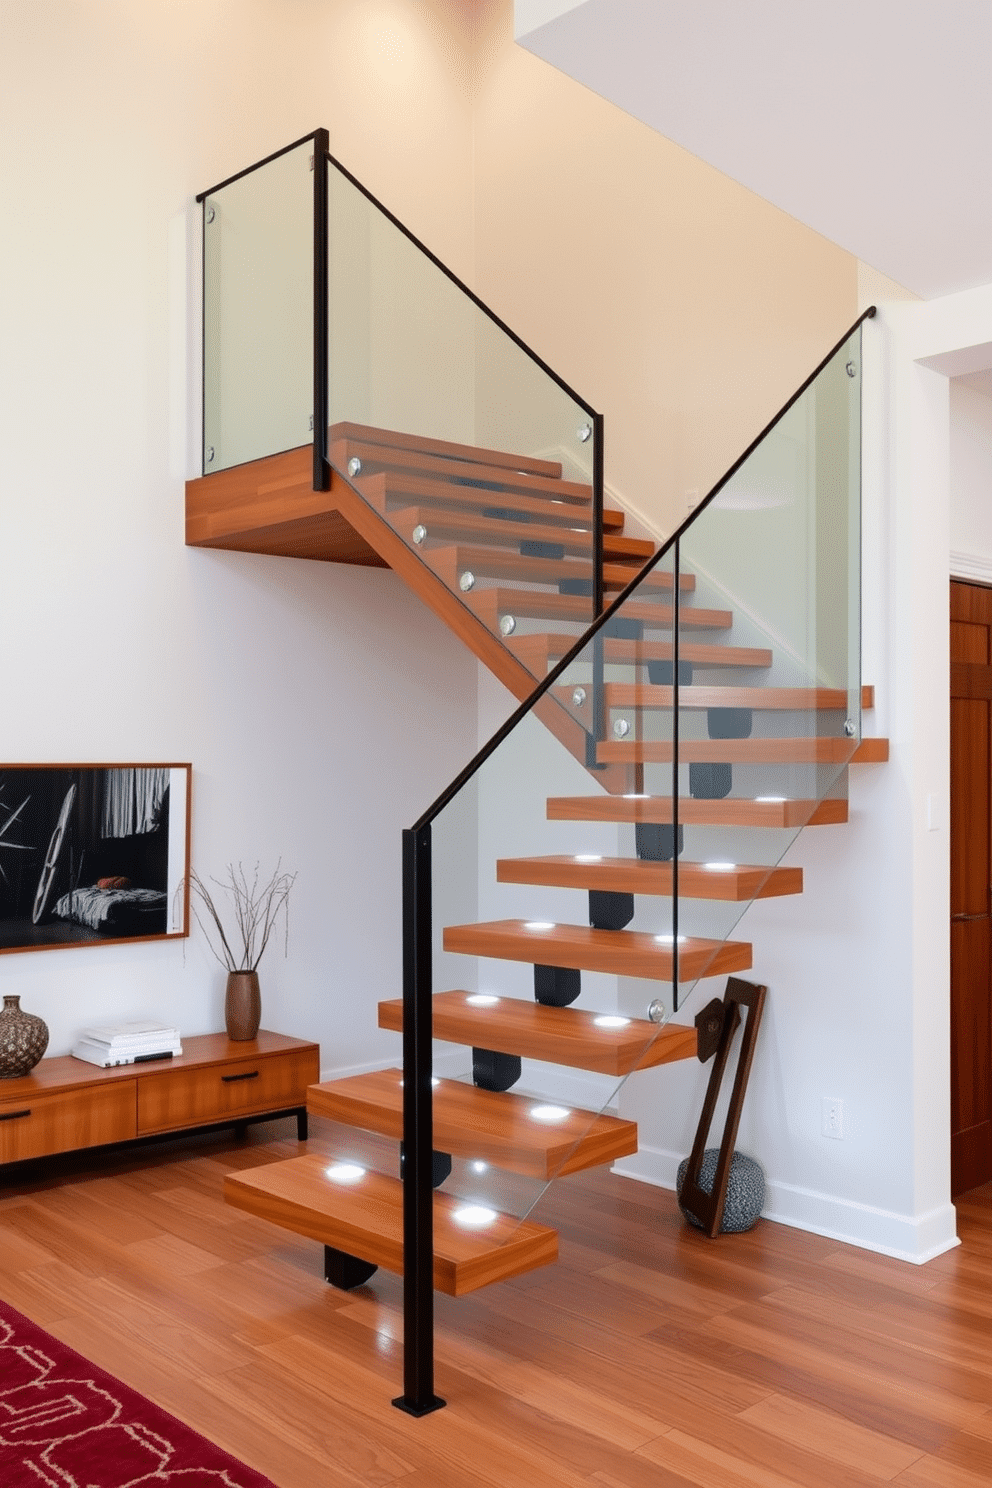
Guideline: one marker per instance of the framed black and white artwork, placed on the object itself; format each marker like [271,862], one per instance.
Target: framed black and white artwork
[91,854]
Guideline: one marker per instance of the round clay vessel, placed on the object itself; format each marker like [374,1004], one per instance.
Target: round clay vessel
[242,1005]
[23,1039]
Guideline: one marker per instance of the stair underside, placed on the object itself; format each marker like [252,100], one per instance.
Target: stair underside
[568,1036]
[366,1220]
[801,751]
[480,1124]
[737,883]
[732,811]
[625,952]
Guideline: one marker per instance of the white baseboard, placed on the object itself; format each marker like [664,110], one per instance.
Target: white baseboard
[916,1239]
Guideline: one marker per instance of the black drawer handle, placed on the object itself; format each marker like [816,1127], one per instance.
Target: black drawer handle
[249,1075]
[13,1115]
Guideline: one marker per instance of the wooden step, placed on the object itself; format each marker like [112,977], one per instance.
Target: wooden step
[480,1124]
[802,751]
[495,563]
[534,604]
[735,882]
[444,449]
[779,699]
[388,489]
[624,952]
[541,651]
[569,1035]
[732,811]
[365,1218]
[476,527]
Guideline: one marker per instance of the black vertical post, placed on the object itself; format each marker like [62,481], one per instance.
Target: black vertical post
[418,1398]
[598,598]
[676,621]
[321,469]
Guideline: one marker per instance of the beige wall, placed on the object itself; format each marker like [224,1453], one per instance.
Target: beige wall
[678,303]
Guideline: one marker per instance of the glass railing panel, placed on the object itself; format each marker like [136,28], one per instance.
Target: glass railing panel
[720,710]
[258,312]
[479,460]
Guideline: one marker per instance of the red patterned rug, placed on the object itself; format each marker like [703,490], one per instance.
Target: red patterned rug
[64,1423]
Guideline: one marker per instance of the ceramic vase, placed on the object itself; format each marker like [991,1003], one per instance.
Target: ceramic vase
[23,1039]
[242,1005]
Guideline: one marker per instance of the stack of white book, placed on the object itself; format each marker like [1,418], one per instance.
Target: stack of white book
[128,1043]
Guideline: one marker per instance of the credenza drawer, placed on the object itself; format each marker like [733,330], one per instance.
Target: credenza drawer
[197,1096]
[41,1124]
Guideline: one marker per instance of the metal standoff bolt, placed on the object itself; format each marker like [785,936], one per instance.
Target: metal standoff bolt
[584,433]
[211,213]
[419,533]
[851,369]
[579,696]
[507,625]
[210,453]
[850,728]
[621,729]
[354,466]
[466,582]
[311,423]
[656,1011]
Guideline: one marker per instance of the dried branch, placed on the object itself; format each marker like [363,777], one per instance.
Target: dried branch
[255,907]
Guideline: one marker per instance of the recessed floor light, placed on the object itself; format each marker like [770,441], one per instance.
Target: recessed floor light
[610,1020]
[636,796]
[669,939]
[474,1216]
[550,1113]
[773,799]
[344,1172]
[482,999]
[720,867]
[588,857]
[539,924]
[480,1167]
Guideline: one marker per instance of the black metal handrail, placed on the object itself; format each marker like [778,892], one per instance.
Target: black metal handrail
[419,1397]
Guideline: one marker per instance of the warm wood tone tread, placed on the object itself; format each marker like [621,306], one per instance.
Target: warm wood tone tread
[625,952]
[732,811]
[804,751]
[480,1124]
[444,449]
[568,1036]
[492,604]
[497,563]
[739,883]
[542,650]
[453,526]
[789,699]
[530,496]
[366,1219]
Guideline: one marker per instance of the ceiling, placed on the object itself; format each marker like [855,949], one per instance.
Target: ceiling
[868,120]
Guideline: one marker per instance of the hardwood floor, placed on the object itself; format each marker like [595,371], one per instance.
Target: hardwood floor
[650,1357]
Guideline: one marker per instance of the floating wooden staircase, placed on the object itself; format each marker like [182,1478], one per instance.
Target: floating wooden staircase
[490,539]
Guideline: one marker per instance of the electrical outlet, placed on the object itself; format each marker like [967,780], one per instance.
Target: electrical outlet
[832,1117]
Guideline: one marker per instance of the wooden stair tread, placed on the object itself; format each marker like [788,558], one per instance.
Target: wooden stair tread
[547,648]
[538,498]
[446,449]
[732,811]
[800,751]
[739,883]
[498,563]
[789,699]
[480,1124]
[491,604]
[366,1219]
[446,526]
[568,1036]
[625,952]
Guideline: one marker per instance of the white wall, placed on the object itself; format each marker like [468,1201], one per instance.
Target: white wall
[322,706]
[971,481]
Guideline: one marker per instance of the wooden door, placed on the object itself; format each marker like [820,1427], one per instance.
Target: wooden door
[971,877]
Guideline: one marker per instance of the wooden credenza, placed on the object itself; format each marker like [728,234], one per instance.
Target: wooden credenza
[64,1105]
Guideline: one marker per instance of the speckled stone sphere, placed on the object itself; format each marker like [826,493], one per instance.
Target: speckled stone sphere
[745,1190]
